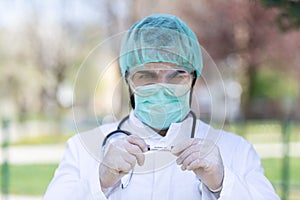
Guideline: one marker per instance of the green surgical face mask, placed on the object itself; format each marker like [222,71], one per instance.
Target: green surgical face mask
[161,109]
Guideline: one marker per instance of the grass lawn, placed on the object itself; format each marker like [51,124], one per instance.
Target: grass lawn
[30,179]
[273,171]
[34,179]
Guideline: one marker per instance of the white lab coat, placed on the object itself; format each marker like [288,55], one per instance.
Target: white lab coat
[160,177]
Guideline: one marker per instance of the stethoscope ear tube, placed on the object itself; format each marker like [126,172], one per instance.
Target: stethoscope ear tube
[194,124]
[119,130]
[112,133]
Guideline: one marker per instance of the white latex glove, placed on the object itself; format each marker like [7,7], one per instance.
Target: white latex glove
[203,158]
[120,157]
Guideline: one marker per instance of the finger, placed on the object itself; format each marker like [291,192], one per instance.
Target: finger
[133,139]
[120,159]
[137,152]
[105,167]
[189,159]
[187,152]
[126,168]
[177,149]
[196,164]
[128,159]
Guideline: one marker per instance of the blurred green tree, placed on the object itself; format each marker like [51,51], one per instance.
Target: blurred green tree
[288,16]
[245,29]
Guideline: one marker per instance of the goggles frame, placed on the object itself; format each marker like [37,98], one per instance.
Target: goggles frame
[176,80]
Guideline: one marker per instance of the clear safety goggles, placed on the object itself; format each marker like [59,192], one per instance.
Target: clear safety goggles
[175,81]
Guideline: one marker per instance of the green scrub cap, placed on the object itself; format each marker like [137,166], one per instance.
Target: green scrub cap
[160,38]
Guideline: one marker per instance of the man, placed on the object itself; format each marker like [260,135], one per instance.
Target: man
[161,151]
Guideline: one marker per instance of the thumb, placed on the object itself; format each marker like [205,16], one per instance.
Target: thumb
[177,149]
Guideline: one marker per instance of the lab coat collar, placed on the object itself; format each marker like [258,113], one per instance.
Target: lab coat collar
[176,131]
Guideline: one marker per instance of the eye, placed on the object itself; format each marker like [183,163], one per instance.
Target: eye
[179,77]
[178,74]
[145,75]
[144,78]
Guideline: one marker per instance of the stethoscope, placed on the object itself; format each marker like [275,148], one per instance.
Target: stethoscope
[122,131]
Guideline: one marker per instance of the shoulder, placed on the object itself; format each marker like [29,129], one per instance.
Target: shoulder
[204,129]
[91,140]
[226,141]
[95,133]
[237,153]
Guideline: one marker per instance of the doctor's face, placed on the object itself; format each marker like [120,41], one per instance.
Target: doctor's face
[176,80]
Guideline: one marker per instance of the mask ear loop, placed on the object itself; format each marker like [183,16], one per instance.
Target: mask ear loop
[119,130]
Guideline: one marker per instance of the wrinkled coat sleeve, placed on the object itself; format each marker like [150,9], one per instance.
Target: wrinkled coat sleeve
[243,174]
[67,182]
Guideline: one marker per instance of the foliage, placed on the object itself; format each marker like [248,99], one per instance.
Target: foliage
[289,16]
[41,58]
[274,84]
[247,30]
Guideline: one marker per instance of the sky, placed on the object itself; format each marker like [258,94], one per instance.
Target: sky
[16,12]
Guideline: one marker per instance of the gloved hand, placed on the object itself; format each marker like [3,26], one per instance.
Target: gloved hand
[121,155]
[203,158]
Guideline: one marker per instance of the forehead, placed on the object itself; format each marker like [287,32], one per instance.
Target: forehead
[158,67]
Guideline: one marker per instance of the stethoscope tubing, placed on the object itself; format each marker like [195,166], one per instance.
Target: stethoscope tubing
[120,130]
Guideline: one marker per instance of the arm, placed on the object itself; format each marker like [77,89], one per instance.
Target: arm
[233,164]
[204,159]
[67,183]
[120,157]
[244,176]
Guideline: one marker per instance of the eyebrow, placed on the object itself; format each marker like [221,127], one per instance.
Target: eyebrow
[176,72]
[148,72]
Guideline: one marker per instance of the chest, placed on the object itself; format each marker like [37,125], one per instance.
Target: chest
[168,182]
